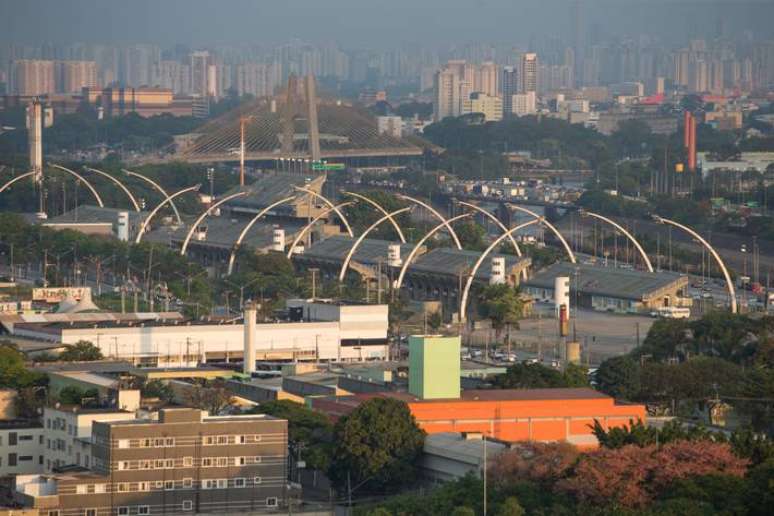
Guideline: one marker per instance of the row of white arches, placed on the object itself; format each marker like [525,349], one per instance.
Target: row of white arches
[444,223]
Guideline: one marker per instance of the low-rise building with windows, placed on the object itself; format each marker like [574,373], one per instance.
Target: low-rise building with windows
[184,462]
[21,452]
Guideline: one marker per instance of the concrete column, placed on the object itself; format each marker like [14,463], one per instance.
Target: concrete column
[250,316]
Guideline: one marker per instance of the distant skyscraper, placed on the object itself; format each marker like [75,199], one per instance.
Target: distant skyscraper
[200,74]
[76,75]
[510,87]
[447,100]
[486,79]
[528,73]
[33,77]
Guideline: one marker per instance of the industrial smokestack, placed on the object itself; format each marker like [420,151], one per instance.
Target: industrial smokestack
[250,313]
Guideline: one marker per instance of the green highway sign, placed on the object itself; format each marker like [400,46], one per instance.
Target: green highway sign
[328,166]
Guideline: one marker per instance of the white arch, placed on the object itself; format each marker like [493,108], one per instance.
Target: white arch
[203,216]
[312,223]
[472,275]
[249,225]
[436,214]
[330,205]
[17,178]
[494,219]
[381,209]
[718,259]
[155,210]
[550,226]
[158,187]
[360,239]
[120,185]
[81,178]
[415,250]
[628,235]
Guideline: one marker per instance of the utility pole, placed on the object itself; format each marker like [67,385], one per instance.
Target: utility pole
[314,272]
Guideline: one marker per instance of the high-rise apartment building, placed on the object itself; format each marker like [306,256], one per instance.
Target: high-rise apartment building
[528,72]
[510,87]
[447,100]
[201,75]
[487,79]
[184,462]
[76,75]
[31,77]
[252,79]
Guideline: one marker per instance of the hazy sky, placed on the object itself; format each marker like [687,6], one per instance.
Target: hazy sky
[367,23]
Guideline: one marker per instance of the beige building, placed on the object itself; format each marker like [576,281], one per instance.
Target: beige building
[33,77]
[76,75]
[490,106]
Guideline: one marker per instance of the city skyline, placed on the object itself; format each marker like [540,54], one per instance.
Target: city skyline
[204,23]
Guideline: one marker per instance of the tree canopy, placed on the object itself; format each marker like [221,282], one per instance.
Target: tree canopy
[377,447]
[81,351]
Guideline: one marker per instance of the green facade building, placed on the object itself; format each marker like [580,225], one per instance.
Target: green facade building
[434,366]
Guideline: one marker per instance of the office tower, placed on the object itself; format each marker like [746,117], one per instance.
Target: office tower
[447,101]
[31,77]
[528,72]
[76,75]
[201,76]
[510,87]
[486,79]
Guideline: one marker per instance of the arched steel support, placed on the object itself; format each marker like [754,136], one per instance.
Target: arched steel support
[415,250]
[380,208]
[718,259]
[550,226]
[474,271]
[494,219]
[351,253]
[247,228]
[436,214]
[330,205]
[628,235]
[120,185]
[158,187]
[167,199]
[203,216]
[15,179]
[312,223]
[84,181]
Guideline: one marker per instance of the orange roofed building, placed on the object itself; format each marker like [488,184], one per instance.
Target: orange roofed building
[439,405]
[508,415]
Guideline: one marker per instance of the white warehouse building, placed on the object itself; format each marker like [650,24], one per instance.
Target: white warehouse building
[317,330]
